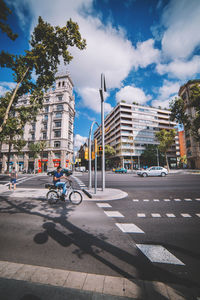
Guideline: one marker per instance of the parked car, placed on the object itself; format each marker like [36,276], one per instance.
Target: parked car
[121,170]
[67,172]
[153,171]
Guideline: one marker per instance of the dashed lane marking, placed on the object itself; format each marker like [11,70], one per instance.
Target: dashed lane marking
[156,200]
[170,215]
[188,199]
[146,200]
[177,199]
[141,215]
[115,214]
[103,205]
[198,215]
[159,254]
[129,228]
[186,215]
[167,200]
[156,215]
[135,200]
[198,199]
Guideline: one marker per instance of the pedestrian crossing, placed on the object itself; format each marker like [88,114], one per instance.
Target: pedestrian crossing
[80,183]
[154,253]
[166,200]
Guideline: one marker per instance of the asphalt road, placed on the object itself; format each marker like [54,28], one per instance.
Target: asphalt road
[163,215]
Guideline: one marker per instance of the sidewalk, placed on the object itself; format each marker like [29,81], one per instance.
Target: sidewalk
[106,195]
[29,282]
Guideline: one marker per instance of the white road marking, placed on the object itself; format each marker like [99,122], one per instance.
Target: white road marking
[167,200]
[188,199]
[198,215]
[141,215]
[156,215]
[146,200]
[129,228]
[116,214]
[103,205]
[159,254]
[156,200]
[177,199]
[170,215]
[186,215]
[22,179]
[198,199]
[135,200]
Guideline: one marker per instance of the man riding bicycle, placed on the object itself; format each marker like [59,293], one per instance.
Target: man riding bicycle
[56,181]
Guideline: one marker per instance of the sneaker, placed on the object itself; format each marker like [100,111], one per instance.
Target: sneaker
[62,197]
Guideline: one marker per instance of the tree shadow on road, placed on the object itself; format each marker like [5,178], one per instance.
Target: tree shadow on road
[94,246]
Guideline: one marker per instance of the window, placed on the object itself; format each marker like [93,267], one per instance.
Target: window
[57,133]
[57,144]
[57,155]
[47,99]
[57,124]
[32,136]
[60,98]
[44,135]
[58,115]
[58,84]
[45,117]
[63,83]
[46,109]
[45,126]
[59,107]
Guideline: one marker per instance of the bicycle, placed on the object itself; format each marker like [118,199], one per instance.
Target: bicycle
[55,193]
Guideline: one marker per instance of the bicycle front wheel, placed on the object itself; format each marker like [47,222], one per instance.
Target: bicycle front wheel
[75,198]
[52,197]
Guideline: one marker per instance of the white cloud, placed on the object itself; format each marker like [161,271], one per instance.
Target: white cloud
[181,20]
[108,49]
[180,69]
[79,140]
[6,87]
[161,103]
[167,92]
[132,94]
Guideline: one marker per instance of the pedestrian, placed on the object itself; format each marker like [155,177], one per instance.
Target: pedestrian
[13,178]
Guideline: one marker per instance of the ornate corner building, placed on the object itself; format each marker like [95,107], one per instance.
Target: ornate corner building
[192,145]
[54,126]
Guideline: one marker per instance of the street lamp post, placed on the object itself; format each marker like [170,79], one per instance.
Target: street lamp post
[157,157]
[101,91]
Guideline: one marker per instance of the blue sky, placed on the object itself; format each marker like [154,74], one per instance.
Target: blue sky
[146,48]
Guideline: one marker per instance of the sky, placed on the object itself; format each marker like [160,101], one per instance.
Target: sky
[146,49]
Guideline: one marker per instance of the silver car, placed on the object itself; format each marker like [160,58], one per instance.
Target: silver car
[153,171]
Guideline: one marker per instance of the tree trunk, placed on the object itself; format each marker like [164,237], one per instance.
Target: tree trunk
[167,161]
[9,152]
[11,100]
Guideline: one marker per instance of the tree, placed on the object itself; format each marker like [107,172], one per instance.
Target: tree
[166,139]
[109,154]
[178,111]
[49,45]
[149,156]
[18,145]
[43,145]
[34,150]
[4,12]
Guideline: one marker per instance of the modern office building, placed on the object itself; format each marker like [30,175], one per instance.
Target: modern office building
[192,146]
[54,125]
[129,128]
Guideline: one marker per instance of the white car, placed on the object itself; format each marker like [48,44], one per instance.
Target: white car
[153,171]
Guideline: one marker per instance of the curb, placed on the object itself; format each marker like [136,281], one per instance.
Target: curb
[87,193]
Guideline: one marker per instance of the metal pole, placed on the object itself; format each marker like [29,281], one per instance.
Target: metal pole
[103,146]
[138,162]
[95,174]
[89,152]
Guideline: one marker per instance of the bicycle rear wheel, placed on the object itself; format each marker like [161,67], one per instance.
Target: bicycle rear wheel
[75,198]
[52,197]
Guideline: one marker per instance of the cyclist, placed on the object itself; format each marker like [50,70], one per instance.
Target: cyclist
[56,181]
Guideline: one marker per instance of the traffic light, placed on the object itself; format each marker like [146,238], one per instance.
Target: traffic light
[100,149]
[86,153]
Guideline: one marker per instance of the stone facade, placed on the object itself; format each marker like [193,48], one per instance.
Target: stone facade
[54,125]
[192,146]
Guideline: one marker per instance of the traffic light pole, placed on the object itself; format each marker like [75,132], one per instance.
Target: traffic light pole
[90,154]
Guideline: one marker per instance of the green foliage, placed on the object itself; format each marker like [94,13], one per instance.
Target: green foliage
[49,45]
[177,107]
[4,13]
[109,151]
[34,149]
[166,139]
[149,156]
